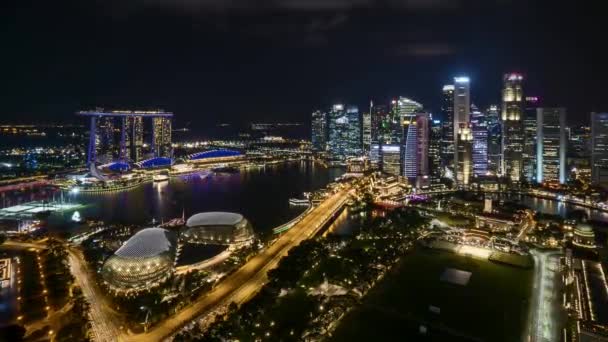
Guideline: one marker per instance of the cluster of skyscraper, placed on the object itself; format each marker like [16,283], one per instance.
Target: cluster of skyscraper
[518,140]
[119,136]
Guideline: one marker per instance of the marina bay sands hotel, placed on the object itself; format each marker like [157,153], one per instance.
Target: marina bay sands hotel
[119,135]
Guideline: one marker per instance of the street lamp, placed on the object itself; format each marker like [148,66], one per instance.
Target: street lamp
[145,323]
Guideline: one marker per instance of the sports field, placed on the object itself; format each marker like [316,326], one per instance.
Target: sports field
[492,306]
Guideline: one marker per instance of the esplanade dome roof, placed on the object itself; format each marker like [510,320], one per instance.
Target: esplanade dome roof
[214,218]
[147,243]
[584,227]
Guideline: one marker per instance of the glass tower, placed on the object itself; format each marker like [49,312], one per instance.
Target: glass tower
[529,157]
[479,153]
[319,131]
[462,129]
[464,167]
[599,149]
[512,123]
[551,145]
[494,140]
[447,110]
[344,132]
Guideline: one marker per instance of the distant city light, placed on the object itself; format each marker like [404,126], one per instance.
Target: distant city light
[532,98]
[515,77]
[74,190]
[461,79]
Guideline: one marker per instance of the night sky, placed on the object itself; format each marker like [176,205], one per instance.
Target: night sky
[239,61]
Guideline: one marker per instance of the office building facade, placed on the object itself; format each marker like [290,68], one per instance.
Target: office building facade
[344,132]
[529,156]
[161,137]
[599,149]
[494,140]
[319,131]
[512,124]
[551,145]
[366,131]
[447,111]
[435,151]
[479,154]
[464,165]
[462,129]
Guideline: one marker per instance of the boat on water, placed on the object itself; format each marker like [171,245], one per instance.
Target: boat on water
[160,178]
[299,202]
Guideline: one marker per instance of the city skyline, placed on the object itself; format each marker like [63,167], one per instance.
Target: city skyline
[303,170]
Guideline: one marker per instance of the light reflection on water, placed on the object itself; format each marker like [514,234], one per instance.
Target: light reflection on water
[562,209]
[261,195]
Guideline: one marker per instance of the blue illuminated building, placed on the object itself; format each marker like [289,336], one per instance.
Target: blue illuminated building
[215,154]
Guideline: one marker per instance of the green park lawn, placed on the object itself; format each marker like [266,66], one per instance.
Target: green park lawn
[493,306]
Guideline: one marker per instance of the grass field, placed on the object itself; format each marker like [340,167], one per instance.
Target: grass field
[492,307]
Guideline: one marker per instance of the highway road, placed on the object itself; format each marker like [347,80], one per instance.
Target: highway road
[543,320]
[104,325]
[23,245]
[247,280]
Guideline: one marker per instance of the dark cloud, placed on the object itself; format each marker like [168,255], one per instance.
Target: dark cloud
[314,5]
[423,50]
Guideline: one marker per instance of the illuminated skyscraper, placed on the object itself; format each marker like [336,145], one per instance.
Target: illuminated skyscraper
[578,155]
[529,157]
[435,144]
[422,149]
[512,123]
[462,105]
[416,148]
[409,147]
[344,131]
[579,142]
[447,110]
[366,131]
[400,109]
[464,166]
[479,153]
[599,149]
[380,121]
[105,140]
[494,140]
[319,131]
[134,141]
[161,137]
[551,145]
[391,159]
[375,156]
[119,134]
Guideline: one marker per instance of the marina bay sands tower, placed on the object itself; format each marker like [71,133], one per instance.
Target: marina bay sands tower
[119,135]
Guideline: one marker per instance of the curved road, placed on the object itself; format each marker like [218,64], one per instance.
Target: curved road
[238,287]
[247,280]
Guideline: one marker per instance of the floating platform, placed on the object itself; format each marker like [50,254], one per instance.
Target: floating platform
[31,209]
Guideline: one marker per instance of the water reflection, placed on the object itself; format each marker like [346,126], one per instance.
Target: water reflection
[261,195]
[547,206]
